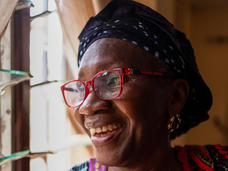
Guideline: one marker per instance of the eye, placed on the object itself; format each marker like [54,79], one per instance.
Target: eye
[113,81]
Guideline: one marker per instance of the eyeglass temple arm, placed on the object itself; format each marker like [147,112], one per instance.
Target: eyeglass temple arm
[135,71]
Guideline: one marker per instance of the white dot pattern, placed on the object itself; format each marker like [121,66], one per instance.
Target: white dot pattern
[167,53]
[156,54]
[146,48]
[134,42]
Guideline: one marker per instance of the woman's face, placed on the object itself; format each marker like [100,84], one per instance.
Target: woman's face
[138,116]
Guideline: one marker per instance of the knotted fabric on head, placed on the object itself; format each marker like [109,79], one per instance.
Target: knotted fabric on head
[140,25]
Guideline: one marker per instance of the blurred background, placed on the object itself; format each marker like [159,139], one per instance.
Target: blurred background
[38,51]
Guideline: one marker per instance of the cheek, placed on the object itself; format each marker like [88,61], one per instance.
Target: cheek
[143,105]
[79,119]
[145,114]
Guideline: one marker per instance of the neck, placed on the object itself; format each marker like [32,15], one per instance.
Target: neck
[164,160]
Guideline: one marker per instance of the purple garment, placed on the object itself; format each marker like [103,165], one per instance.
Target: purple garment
[95,166]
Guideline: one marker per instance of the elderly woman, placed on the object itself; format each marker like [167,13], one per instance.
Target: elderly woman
[139,88]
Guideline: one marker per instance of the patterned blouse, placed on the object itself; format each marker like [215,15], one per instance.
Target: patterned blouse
[192,158]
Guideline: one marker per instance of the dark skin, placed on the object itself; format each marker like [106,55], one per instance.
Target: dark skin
[144,108]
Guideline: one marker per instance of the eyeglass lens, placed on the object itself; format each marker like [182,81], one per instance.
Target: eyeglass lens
[106,86]
[74,93]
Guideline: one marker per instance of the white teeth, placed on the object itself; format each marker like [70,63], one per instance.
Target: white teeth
[98,130]
[105,128]
[92,131]
[110,127]
[114,126]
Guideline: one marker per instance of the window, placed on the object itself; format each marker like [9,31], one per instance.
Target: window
[34,121]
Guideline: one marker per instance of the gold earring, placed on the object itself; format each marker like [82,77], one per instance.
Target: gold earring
[174,123]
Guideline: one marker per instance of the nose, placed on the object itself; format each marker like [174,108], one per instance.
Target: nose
[93,105]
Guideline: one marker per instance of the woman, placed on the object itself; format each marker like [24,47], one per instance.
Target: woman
[139,88]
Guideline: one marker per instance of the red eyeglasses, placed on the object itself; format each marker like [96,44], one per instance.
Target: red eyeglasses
[107,85]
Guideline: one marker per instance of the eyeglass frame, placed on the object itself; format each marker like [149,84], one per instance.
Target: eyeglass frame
[122,72]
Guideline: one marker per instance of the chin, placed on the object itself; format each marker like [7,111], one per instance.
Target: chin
[120,155]
[110,159]
[107,160]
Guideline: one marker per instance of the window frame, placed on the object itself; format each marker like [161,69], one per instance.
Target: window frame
[21,93]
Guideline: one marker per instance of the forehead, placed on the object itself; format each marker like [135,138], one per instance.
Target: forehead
[108,53]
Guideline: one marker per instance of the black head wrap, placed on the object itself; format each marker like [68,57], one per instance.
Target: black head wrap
[140,25]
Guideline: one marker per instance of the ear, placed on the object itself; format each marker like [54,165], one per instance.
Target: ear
[179,92]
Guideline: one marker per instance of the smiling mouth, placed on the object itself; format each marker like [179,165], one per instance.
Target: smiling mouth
[104,134]
[104,129]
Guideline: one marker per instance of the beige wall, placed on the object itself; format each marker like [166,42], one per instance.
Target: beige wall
[206,23]
[151,3]
[98,5]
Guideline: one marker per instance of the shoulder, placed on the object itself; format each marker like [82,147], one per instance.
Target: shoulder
[208,157]
[81,167]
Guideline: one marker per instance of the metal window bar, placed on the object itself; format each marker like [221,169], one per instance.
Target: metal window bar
[43,14]
[48,82]
[16,78]
[72,141]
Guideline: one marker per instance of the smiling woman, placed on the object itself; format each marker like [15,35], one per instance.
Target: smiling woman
[139,88]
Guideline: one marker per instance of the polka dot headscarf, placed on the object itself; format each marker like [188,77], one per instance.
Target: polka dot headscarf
[135,23]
